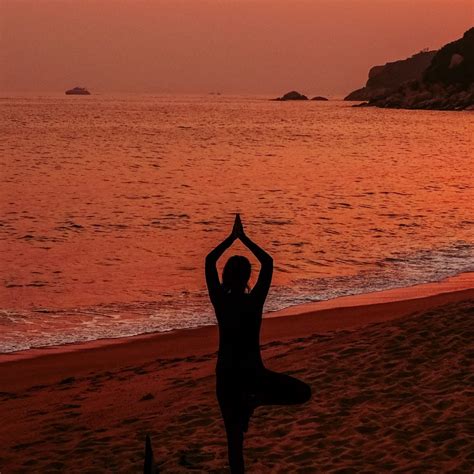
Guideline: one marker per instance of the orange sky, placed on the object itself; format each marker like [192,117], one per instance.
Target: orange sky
[233,46]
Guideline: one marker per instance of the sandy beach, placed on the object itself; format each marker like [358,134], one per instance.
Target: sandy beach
[212,206]
[389,373]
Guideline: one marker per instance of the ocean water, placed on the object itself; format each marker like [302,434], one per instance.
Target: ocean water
[110,204]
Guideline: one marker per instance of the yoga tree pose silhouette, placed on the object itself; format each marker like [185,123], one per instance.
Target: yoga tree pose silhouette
[242,381]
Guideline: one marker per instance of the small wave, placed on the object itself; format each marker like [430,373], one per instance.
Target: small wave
[49,327]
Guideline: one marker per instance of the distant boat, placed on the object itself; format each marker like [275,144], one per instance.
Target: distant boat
[78,91]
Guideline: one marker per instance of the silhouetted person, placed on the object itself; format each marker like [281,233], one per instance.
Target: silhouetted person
[242,381]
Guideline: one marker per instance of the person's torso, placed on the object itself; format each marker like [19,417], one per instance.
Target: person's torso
[239,318]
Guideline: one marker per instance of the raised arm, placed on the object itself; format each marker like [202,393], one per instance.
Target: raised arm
[212,278]
[260,290]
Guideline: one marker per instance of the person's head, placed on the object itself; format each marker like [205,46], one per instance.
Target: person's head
[236,274]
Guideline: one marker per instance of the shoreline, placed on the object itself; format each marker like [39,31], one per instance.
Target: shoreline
[21,369]
[373,369]
[460,282]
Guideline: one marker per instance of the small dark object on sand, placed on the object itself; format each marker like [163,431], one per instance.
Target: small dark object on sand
[149,466]
[148,396]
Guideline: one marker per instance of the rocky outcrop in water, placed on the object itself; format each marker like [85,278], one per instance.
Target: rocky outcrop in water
[446,84]
[320,97]
[387,78]
[293,95]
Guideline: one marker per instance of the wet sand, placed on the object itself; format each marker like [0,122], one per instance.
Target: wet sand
[390,379]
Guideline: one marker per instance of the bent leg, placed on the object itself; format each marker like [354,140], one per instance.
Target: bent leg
[281,389]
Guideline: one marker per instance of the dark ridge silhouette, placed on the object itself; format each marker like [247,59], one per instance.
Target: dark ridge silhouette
[390,76]
[320,97]
[453,63]
[243,383]
[149,465]
[446,84]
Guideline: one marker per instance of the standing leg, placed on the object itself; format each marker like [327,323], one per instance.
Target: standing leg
[230,399]
[235,444]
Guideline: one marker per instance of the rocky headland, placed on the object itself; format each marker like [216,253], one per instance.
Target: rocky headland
[387,78]
[446,83]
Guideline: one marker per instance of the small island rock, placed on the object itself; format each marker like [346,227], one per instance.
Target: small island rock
[319,97]
[293,95]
